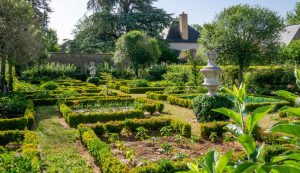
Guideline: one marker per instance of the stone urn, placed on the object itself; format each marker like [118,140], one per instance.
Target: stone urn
[211,74]
[92,69]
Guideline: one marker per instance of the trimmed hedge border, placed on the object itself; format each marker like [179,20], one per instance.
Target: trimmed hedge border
[30,149]
[140,90]
[21,123]
[156,96]
[212,127]
[75,119]
[155,123]
[101,152]
[151,105]
[174,100]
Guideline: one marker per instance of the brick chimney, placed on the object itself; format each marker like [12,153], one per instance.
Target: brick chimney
[183,26]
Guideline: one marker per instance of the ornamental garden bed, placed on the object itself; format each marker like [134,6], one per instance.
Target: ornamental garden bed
[92,111]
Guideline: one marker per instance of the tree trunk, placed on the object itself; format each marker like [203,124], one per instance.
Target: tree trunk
[11,75]
[136,70]
[3,70]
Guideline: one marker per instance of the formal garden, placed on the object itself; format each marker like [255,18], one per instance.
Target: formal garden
[232,106]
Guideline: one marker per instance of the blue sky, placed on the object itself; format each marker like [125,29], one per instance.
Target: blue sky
[68,12]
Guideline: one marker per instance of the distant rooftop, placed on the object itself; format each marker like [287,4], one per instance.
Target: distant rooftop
[290,33]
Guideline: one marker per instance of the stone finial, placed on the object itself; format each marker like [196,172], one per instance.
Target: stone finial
[211,73]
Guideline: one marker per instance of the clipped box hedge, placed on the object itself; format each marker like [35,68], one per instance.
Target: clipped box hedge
[156,96]
[139,90]
[155,123]
[75,119]
[21,123]
[213,127]
[11,136]
[101,152]
[151,105]
[174,100]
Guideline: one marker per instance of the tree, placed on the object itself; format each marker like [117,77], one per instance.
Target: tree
[51,41]
[110,19]
[293,18]
[291,52]
[167,54]
[135,49]
[19,36]
[194,60]
[243,34]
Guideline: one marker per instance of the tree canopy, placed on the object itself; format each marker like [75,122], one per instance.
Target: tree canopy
[135,50]
[243,34]
[293,18]
[110,19]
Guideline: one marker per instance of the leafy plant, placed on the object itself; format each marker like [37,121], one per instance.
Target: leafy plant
[178,138]
[12,104]
[141,133]
[50,85]
[212,162]
[166,131]
[113,137]
[138,83]
[43,94]
[94,80]
[179,156]
[195,139]
[204,104]
[130,155]
[167,148]
[213,137]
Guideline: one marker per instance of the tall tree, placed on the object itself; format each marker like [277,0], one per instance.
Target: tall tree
[51,41]
[19,36]
[135,49]
[110,19]
[293,18]
[243,34]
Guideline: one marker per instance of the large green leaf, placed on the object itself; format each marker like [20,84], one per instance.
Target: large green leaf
[291,97]
[257,115]
[282,168]
[248,143]
[223,161]
[294,156]
[291,129]
[230,113]
[234,129]
[209,159]
[294,111]
[247,167]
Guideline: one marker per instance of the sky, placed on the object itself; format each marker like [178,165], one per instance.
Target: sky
[66,13]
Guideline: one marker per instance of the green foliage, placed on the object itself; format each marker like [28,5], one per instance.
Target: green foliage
[155,73]
[151,105]
[213,127]
[21,123]
[212,162]
[141,133]
[167,148]
[238,33]
[12,104]
[167,54]
[11,136]
[43,94]
[179,75]
[204,104]
[166,131]
[101,152]
[134,49]
[94,80]
[187,103]
[213,137]
[291,53]
[156,96]
[165,166]
[50,70]
[50,85]
[151,124]
[293,18]
[52,41]
[139,90]
[138,83]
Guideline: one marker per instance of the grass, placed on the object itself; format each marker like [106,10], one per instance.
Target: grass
[58,144]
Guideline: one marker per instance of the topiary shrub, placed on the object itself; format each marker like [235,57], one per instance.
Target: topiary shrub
[204,104]
[138,83]
[94,80]
[50,85]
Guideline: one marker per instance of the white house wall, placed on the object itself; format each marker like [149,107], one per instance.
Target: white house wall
[184,46]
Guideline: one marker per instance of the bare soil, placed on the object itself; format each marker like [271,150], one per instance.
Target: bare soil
[151,150]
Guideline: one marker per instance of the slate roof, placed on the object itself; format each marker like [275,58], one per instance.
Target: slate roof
[289,34]
[173,35]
